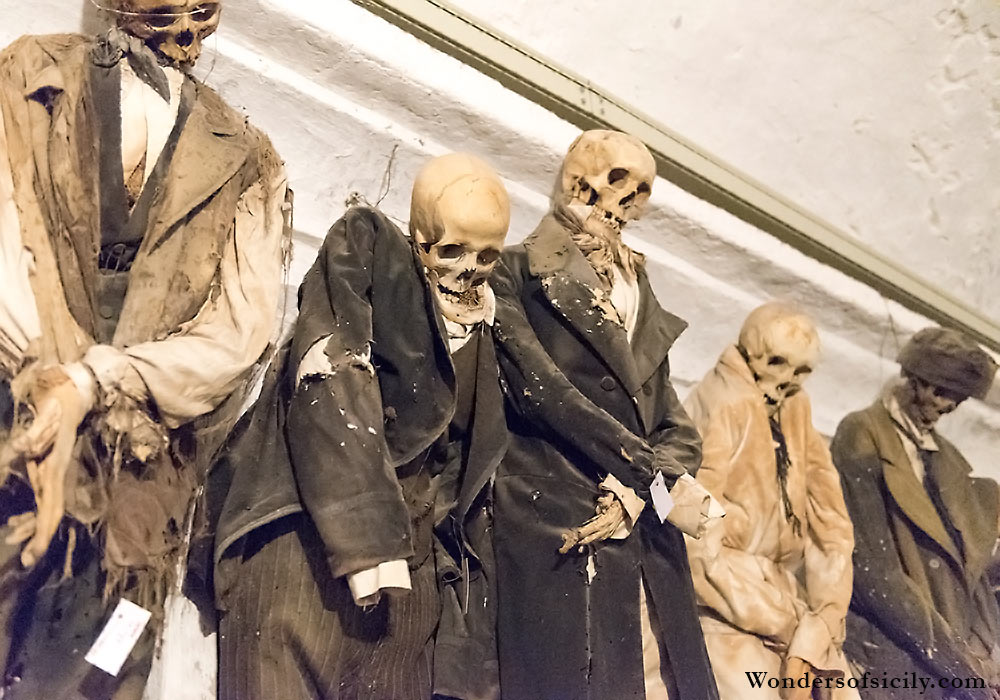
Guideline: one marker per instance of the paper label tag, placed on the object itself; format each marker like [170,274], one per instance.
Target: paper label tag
[116,640]
[663,502]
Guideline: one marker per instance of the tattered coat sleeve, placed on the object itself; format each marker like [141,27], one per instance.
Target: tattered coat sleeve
[192,371]
[883,592]
[563,410]
[747,590]
[335,424]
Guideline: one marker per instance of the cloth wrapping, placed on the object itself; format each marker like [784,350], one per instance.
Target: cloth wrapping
[755,572]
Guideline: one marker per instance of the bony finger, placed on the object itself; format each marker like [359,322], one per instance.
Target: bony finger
[598,535]
[23,528]
[606,499]
[570,539]
[39,436]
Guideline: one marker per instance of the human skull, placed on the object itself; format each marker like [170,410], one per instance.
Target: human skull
[926,403]
[459,215]
[780,346]
[609,175]
[173,29]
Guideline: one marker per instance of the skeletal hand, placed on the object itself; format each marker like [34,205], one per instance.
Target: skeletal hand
[610,515]
[46,446]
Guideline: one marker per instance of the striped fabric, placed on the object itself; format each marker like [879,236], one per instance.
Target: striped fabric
[293,632]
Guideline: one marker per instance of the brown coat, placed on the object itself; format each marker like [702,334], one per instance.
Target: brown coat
[918,605]
[44,94]
[133,503]
[753,571]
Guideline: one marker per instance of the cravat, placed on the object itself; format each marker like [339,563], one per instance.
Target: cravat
[784,463]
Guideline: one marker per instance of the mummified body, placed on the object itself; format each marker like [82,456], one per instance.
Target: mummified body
[141,248]
[925,528]
[599,618]
[384,419]
[773,577]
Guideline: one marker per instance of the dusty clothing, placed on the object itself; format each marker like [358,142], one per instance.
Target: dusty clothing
[465,650]
[767,589]
[922,601]
[168,331]
[360,447]
[582,404]
[293,631]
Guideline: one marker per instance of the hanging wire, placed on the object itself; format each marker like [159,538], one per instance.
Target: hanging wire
[117,11]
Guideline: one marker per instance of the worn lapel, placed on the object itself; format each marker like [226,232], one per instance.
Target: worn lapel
[488,440]
[965,512]
[210,150]
[656,330]
[906,489]
[571,285]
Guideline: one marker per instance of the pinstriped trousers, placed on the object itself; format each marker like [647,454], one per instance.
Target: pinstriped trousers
[292,632]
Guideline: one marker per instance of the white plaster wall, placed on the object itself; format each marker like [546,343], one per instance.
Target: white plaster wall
[883,117]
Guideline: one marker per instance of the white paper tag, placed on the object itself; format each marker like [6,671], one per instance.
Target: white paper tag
[663,502]
[116,640]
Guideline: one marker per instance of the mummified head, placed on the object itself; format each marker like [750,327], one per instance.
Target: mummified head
[459,215]
[780,345]
[942,367]
[173,29]
[607,177]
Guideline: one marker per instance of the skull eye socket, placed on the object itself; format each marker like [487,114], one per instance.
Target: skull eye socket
[777,360]
[161,18]
[948,394]
[803,370]
[585,187]
[643,188]
[616,175]
[450,251]
[488,257]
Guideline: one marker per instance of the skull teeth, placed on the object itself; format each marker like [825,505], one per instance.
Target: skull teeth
[468,298]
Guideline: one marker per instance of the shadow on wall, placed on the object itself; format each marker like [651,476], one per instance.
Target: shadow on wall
[95,20]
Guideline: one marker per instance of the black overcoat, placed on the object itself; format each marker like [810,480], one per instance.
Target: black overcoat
[560,636]
[357,446]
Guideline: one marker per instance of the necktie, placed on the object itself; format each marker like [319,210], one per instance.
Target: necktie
[784,463]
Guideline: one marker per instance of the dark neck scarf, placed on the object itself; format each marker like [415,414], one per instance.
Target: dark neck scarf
[784,463]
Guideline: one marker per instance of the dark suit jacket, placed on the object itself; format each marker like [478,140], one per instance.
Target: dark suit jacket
[919,604]
[340,444]
[560,636]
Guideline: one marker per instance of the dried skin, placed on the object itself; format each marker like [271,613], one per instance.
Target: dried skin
[46,446]
[610,516]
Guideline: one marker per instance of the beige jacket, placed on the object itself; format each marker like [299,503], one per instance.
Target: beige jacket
[753,571]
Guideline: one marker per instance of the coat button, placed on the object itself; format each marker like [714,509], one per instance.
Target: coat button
[106,311]
[608,384]
[647,390]
[934,563]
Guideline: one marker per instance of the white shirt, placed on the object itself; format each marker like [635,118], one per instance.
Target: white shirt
[147,119]
[625,299]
